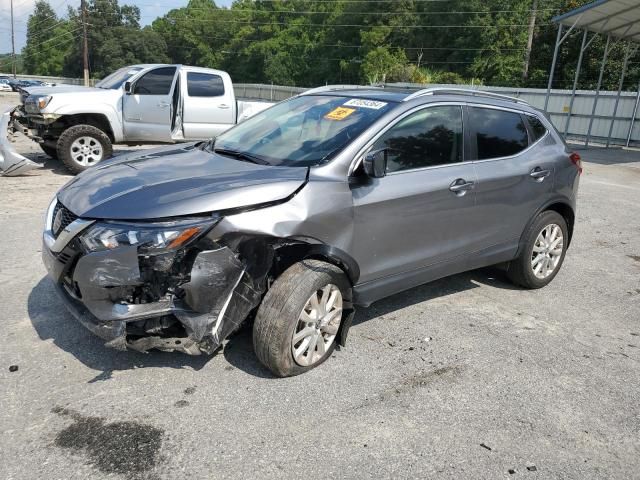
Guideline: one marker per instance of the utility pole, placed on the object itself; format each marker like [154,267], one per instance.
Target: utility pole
[85,44]
[532,25]
[13,45]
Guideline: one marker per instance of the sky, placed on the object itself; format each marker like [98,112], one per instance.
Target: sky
[149,10]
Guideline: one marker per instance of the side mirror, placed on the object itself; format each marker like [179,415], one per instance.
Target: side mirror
[127,88]
[375,163]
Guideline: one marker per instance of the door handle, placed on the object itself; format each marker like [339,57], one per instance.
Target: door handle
[164,104]
[223,106]
[539,174]
[460,186]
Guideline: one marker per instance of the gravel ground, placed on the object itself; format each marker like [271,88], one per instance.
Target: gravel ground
[467,377]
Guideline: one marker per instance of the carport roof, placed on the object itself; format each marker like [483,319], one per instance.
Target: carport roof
[618,18]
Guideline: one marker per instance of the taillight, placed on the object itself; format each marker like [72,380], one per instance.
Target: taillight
[576,160]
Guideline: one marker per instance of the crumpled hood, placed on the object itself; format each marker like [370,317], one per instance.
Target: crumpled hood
[175,181]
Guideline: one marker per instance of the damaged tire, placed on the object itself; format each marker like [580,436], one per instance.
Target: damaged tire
[296,326]
[82,146]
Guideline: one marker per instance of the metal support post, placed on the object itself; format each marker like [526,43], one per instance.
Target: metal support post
[583,47]
[615,107]
[595,100]
[633,117]
[553,66]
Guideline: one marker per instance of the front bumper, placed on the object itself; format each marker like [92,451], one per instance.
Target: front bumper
[199,311]
[11,162]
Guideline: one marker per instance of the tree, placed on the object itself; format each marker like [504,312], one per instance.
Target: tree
[49,39]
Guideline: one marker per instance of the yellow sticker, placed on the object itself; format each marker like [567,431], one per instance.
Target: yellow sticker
[339,113]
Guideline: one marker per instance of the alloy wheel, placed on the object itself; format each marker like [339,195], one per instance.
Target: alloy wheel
[317,326]
[86,151]
[547,251]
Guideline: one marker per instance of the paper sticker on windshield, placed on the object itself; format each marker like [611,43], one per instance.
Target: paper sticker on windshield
[339,113]
[359,102]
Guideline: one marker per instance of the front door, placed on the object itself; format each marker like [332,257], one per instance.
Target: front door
[148,109]
[421,213]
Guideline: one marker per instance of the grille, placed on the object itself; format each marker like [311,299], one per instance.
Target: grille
[66,217]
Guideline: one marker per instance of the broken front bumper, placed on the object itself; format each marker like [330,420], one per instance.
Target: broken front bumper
[11,162]
[194,315]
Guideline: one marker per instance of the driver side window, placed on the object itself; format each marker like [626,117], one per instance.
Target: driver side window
[429,137]
[155,82]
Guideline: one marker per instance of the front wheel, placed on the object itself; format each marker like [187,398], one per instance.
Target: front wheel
[82,146]
[297,324]
[544,249]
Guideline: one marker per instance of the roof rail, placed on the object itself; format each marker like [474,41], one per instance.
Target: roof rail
[330,88]
[462,91]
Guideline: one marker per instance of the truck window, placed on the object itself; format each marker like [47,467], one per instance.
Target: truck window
[156,82]
[204,85]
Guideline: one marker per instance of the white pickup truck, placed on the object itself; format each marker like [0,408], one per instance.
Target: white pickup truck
[135,105]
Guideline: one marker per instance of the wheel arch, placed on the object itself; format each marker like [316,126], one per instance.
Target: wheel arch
[98,120]
[560,205]
[289,254]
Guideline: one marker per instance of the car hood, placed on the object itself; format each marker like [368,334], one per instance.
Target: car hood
[176,181]
[42,90]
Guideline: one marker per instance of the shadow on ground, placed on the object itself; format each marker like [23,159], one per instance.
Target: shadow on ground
[52,321]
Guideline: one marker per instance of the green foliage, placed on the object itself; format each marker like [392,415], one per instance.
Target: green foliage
[48,41]
[310,43]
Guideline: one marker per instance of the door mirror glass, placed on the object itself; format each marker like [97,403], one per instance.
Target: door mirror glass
[127,88]
[375,163]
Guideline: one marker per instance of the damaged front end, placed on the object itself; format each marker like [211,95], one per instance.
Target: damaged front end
[187,295]
[11,162]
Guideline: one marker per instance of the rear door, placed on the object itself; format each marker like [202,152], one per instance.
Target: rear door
[421,213]
[149,109]
[209,106]
[515,170]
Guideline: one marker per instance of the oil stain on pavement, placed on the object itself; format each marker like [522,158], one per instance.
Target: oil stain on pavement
[126,448]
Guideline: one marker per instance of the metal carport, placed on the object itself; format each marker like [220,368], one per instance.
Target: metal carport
[618,20]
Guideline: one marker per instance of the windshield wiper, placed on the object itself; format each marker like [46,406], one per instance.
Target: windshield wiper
[241,156]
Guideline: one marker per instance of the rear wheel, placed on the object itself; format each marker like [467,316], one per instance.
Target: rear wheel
[543,253]
[82,146]
[297,324]
[50,151]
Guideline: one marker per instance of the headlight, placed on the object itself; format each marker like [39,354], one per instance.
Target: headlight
[43,101]
[151,239]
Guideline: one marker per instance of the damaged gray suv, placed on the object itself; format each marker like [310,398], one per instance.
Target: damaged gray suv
[335,198]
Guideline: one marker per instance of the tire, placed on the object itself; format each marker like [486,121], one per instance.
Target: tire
[521,270]
[278,317]
[50,151]
[95,146]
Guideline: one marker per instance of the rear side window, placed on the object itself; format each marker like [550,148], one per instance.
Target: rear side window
[204,85]
[429,137]
[156,82]
[537,128]
[498,133]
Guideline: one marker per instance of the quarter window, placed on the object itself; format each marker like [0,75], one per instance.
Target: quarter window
[204,85]
[156,82]
[537,128]
[430,137]
[498,133]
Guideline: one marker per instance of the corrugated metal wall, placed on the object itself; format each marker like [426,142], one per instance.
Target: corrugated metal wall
[558,106]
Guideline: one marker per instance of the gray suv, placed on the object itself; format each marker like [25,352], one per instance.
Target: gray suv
[335,198]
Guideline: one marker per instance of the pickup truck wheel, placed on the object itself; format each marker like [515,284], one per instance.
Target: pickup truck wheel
[297,323]
[50,151]
[82,146]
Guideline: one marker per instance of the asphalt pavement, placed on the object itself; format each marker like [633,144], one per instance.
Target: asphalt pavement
[466,377]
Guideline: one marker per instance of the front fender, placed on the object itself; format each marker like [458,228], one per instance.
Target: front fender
[112,113]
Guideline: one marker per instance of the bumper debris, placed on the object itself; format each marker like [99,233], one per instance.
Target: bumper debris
[11,162]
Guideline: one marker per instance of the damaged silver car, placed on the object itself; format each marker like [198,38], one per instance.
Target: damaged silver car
[335,198]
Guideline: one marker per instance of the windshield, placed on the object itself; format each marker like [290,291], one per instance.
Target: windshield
[117,78]
[304,131]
